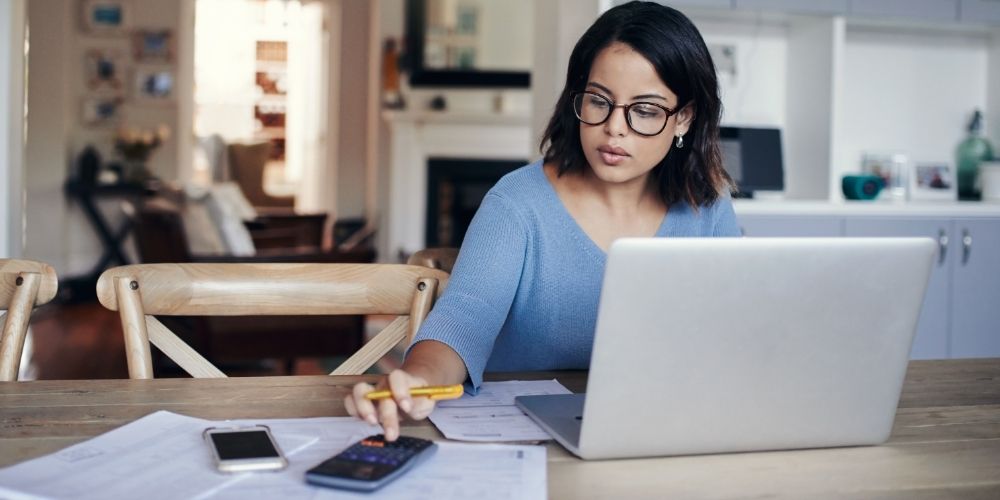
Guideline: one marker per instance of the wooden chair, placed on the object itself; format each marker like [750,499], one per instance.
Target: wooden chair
[442,258]
[24,284]
[140,291]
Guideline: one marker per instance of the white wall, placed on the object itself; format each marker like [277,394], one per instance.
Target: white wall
[11,125]
[910,93]
[352,114]
[57,231]
[755,93]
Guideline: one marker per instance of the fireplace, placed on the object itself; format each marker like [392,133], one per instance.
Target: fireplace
[474,151]
[455,188]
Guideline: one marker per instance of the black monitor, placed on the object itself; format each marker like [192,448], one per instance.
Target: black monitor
[752,156]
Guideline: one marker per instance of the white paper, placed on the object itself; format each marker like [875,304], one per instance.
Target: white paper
[163,455]
[491,416]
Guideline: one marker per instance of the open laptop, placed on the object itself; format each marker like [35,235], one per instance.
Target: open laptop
[740,344]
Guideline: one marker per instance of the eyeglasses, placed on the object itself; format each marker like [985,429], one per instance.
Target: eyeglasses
[644,118]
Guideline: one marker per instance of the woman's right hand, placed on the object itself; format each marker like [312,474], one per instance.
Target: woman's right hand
[387,413]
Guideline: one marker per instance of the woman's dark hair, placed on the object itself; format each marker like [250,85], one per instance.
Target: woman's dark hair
[674,46]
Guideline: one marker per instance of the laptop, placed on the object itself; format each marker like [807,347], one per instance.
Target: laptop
[711,345]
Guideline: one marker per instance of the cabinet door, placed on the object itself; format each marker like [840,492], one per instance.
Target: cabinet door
[796,6]
[975,324]
[790,225]
[980,11]
[924,10]
[931,341]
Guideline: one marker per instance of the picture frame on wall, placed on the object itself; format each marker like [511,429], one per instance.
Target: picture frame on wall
[153,84]
[101,110]
[104,69]
[933,181]
[105,17]
[153,45]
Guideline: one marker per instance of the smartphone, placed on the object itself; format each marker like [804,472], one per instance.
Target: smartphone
[371,463]
[239,449]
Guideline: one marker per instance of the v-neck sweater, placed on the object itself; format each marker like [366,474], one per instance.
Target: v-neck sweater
[523,293]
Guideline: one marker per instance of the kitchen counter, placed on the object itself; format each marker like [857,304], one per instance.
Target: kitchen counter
[862,208]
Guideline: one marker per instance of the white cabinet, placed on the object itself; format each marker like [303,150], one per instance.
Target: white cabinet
[791,225]
[926,10]
[961,310]
[932,338]
[975,298]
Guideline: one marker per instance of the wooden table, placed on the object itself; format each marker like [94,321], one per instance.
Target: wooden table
[945,442]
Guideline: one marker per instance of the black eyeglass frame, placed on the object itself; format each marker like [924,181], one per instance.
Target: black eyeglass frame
[626,107]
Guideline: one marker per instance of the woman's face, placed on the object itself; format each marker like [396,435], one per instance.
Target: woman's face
[616,153]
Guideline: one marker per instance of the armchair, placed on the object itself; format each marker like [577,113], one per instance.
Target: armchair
[246,167]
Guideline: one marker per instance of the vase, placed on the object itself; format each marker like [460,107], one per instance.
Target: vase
[135,172]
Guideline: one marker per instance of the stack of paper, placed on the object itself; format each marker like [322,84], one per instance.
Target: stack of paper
[163,455]
[491,414]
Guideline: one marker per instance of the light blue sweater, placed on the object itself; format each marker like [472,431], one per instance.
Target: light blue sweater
[523,294]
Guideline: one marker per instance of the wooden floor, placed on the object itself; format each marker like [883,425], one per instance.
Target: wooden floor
[84,341]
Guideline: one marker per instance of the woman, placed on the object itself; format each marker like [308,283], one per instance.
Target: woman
[631,150]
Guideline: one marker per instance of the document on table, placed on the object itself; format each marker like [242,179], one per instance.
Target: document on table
[491,416]
[163,455]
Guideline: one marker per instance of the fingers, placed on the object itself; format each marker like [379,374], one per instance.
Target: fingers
[389,417]
[361,406]
[400,383]
[422,407]
[386,411]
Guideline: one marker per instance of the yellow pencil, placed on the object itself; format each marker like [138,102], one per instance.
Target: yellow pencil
[431,391]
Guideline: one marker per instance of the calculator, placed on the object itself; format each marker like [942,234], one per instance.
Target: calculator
[371,463]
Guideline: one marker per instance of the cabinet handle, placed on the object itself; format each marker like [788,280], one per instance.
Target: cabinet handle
[966,245]
[942,245]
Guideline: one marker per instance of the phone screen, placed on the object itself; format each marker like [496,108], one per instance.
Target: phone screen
[245,444]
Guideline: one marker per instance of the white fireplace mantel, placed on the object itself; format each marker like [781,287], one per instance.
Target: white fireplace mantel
[417,136]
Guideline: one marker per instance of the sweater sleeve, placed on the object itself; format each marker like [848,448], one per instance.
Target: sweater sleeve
[725,219]
[472,310]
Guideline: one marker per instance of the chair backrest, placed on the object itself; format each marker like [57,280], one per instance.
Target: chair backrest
[442,258]
[24,284]
[140,291]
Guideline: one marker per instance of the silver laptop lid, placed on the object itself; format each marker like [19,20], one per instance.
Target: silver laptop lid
[715,345]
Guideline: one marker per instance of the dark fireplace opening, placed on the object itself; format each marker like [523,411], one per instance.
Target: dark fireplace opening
[455,188]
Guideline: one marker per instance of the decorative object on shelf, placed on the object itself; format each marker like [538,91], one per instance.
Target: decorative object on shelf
[153,45]
[136,146]
[970,152]
[933,181]
[153,84]
[101,110]
[891,167]
[861,187]
[392,96]
[104,69]
[989,177]
[437,103]
[105,17]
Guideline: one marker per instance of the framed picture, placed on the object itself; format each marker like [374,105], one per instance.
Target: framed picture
[153,84]
[153,45]
[101,110]
[933,181]
[105,17]
[104,69]
[891,167]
